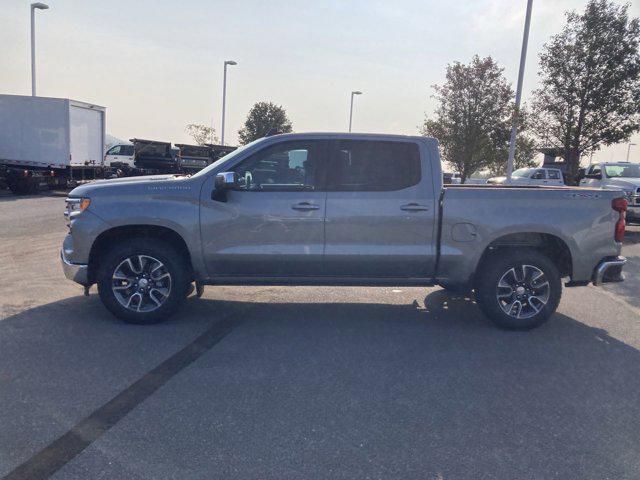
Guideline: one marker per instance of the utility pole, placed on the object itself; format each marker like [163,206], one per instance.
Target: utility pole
[356,92]
[224,96]
[34,7]
[516,112]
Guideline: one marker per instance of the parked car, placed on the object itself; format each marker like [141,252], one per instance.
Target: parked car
[49,142]
[338,209]
[623,176]
[531,176]
[449,178]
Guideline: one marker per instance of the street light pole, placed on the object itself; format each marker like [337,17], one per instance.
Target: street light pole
[516,112]
[224,97]
[629,150]
[356,92]
[34,7]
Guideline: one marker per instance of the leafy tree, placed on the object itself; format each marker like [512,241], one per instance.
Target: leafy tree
[202,134]
[472,120]
[590,92]
[264,118]
[526,146]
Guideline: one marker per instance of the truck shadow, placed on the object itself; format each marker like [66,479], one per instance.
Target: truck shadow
[428,383]
[7,196]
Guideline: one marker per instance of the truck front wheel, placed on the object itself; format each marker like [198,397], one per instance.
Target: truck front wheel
[518,289]
[142,281]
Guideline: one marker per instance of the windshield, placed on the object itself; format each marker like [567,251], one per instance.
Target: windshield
[623,171]
[522,172]
[228,156]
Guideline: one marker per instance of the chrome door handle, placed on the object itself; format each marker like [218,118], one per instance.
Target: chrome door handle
[303,206]
[414,207]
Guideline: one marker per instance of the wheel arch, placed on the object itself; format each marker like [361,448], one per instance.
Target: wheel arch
[549,244]
[126,232]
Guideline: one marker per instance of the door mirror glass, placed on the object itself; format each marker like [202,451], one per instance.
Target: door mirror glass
[226,181]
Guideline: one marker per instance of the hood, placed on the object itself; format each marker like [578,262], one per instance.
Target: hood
[496,180]
[624,183]
[117,183]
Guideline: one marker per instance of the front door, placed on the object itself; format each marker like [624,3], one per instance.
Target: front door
[272,224]
[381,209]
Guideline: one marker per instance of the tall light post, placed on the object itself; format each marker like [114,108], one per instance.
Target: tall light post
[34,7]
[224,96]
[516,112]
[354,93]
[629,150]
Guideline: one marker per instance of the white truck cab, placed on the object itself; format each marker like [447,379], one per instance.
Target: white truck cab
[624,176]
[532,176]
[119,156]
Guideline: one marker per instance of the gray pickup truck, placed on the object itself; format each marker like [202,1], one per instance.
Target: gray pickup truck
[338,209]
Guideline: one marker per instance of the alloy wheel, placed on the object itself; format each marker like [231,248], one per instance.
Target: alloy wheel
[523,291]
[141,283]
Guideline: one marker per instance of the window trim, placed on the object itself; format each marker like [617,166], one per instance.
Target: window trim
[322,148]
[330,178]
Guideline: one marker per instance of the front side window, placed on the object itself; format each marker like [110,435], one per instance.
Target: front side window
[114,150]
[595,170]
[539,175]
[374,166]
[288,166]
[126,150]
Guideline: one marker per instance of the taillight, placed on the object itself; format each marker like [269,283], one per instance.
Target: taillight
[620,206]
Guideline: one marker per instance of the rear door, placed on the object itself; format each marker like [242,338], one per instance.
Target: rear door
[380,210]
[86,135]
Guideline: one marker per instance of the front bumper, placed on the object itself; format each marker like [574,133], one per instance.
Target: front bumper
[73,271]
[609,270]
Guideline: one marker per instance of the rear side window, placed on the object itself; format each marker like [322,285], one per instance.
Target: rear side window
[367,166]
[554,174]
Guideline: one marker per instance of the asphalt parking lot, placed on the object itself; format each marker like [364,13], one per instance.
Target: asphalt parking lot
[278,383]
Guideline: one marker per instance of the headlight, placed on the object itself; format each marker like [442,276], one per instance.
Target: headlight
[76,205]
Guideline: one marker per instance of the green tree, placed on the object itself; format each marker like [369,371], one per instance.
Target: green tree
[590,91]
[472,120]
[264,118]
[202,134]
[526,146]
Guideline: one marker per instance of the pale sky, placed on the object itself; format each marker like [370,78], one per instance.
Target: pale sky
[157,65]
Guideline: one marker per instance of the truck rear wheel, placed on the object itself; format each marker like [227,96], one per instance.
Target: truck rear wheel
[518,289]
[142,281]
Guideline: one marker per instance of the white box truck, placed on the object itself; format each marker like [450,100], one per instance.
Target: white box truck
[52,142]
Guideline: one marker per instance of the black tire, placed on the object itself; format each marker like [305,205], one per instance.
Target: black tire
[173,263]
[499,264]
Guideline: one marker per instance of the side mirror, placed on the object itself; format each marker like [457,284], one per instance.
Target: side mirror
[226,180]
[582,172]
